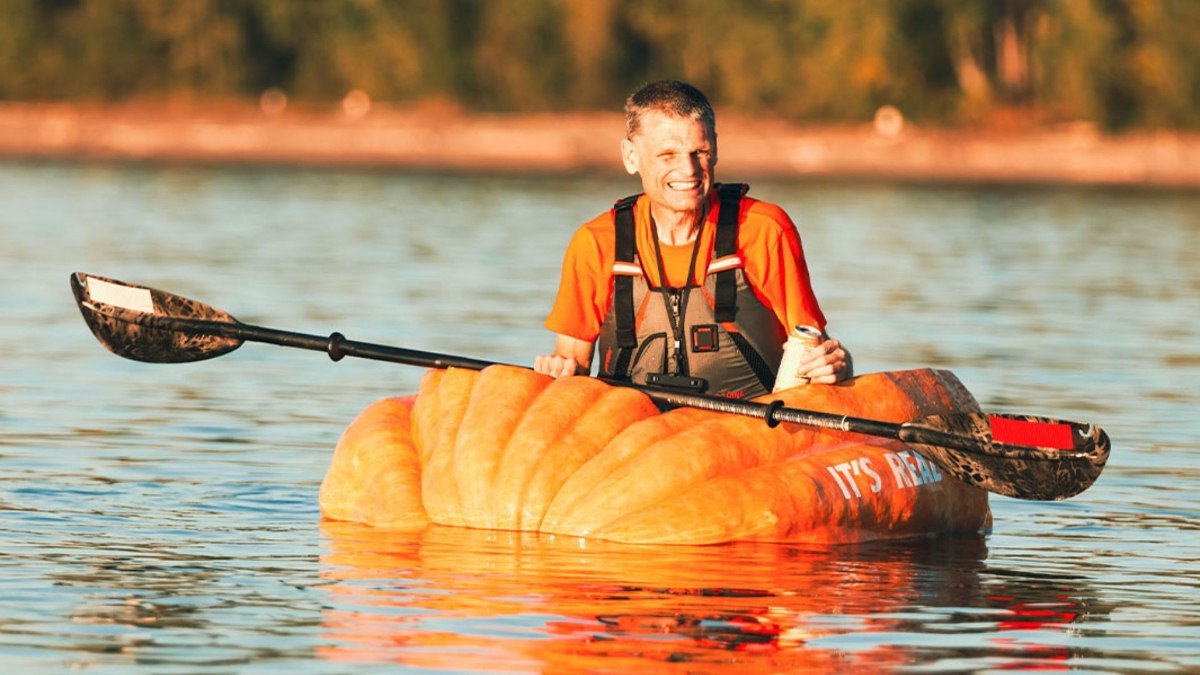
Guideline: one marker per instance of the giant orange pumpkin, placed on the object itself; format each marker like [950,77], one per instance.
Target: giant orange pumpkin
[506,448]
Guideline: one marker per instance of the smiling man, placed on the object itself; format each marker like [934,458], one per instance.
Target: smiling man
[690,284]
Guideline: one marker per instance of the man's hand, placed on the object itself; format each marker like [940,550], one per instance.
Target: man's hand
[827,363]
[555,365]
[571,357]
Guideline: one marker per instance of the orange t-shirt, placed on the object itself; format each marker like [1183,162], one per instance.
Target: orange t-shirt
[767,242]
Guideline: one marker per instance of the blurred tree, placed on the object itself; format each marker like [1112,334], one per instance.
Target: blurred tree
[519,55]
[588,34]
[846,60]
[1161,80]
[20,61]
[1119,63]
[1072,63]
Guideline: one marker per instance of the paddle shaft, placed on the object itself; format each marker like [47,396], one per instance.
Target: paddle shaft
[1022,456]
[338,346]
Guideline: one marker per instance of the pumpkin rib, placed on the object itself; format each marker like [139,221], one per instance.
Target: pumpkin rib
[428,393]
[438,489]
[577,490]
[588,434]
[549,417]
[375,475]
[608,488]
[676,464]
[501,398]
[692,520]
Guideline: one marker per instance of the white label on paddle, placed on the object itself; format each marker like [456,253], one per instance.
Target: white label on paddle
[127,297]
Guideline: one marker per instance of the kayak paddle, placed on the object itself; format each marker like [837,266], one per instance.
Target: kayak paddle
[1021,456]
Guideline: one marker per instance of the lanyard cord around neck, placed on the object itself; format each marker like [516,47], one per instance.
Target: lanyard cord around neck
[675,299]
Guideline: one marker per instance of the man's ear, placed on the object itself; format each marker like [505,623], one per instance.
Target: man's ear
[629,155]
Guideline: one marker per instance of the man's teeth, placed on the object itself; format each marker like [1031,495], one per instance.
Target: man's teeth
[684,185]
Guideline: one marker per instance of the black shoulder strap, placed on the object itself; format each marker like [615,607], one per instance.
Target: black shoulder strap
[725,300]
[626,251]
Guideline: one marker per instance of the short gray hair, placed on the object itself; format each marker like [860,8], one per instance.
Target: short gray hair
[668,96]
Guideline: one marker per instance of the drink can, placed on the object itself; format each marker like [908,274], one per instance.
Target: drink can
[800,340]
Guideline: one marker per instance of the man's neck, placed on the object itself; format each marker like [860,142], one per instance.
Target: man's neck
[676,228]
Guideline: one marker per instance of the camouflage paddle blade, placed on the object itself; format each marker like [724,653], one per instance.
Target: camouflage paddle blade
[144,324]
[1020,456]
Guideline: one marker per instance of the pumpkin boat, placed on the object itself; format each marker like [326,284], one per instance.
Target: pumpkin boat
[506,448]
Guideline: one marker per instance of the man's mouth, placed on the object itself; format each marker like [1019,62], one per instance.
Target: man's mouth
[684,184]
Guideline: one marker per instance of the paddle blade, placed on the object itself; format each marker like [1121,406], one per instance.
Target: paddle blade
[1019,456]
[136,322]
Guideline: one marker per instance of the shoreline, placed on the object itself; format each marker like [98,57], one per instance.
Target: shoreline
[449,140]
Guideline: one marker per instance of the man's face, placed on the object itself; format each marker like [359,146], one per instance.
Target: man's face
[675,157]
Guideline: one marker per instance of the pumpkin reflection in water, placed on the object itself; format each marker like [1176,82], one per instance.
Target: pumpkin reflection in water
[474,600]
[509,449]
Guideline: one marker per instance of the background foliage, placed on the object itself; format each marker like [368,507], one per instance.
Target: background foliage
[1119,63]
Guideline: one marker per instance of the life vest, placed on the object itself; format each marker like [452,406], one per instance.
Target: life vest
[717,337]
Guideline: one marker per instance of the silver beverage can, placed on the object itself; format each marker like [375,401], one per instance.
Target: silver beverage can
[800,340]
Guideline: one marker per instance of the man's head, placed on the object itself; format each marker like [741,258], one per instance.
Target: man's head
[671,141]
[672,97]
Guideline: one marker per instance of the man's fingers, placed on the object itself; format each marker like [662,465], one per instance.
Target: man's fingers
[820,355]
[827,363]
[554,365]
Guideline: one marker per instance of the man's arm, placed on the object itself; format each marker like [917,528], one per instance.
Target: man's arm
[776,267]
[571,356]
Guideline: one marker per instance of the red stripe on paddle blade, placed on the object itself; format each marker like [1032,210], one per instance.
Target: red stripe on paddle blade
[1039,434]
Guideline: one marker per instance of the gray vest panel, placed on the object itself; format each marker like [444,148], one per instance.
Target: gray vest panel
[737,358]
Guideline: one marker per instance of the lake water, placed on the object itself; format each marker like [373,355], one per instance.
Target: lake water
[163,518]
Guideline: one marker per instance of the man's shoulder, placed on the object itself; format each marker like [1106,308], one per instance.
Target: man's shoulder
[602,221]
[600,228]
[765,215]
[596,237]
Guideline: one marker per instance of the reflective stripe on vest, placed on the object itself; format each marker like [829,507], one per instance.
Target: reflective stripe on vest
[734,341]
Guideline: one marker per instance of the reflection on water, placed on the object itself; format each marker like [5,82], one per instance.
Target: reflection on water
[159,518]
[458,598]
